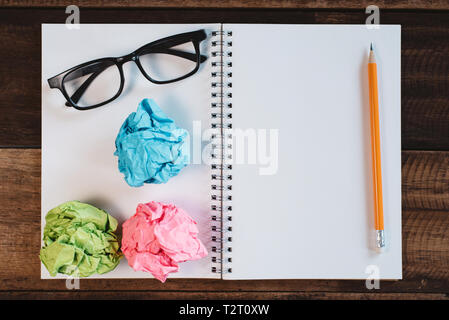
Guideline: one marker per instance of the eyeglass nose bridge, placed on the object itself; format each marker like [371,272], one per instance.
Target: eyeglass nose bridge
[129,57]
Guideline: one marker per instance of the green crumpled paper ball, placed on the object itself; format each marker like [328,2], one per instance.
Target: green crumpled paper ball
[79,240]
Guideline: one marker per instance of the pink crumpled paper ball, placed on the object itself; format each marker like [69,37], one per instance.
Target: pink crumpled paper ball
[159,236]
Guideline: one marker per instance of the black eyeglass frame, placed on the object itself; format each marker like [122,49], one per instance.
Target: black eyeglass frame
[159,46]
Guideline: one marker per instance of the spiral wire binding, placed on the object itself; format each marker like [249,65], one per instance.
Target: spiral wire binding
[221,151]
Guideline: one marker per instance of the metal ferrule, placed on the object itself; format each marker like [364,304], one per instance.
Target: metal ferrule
[380,238]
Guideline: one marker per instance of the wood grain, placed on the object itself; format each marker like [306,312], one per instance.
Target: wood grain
[425,180]
[270,4]
[425,241]
[170,295]
[425,67]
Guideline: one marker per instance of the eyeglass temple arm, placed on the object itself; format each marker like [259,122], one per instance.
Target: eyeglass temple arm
[178,53]
[100,68]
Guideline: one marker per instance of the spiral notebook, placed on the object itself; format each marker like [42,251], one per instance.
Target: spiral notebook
[283,115]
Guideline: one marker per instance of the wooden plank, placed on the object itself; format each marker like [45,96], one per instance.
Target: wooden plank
[425,236]
[425,67]
[425,180]
[277,4]
[177,295]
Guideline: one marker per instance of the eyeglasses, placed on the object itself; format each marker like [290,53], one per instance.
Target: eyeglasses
[98,82]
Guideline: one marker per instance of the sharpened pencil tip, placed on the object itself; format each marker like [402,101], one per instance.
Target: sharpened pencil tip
[371,46]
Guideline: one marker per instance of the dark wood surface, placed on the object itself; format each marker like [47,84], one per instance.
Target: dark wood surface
[225,4]
[425,144]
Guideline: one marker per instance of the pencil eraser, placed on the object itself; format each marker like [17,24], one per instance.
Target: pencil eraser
[380,249]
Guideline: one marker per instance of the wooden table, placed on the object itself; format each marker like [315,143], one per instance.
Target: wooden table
[425,145]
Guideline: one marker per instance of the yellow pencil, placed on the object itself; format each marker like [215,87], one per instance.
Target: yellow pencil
[375,150]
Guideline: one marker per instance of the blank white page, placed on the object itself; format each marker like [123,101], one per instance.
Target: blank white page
[78,146]
[314,217]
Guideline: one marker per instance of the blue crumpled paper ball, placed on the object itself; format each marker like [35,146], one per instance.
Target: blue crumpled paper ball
[150,147]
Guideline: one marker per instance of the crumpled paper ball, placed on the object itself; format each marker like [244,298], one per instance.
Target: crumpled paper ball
[79,240]
[158,237]
[150,147]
